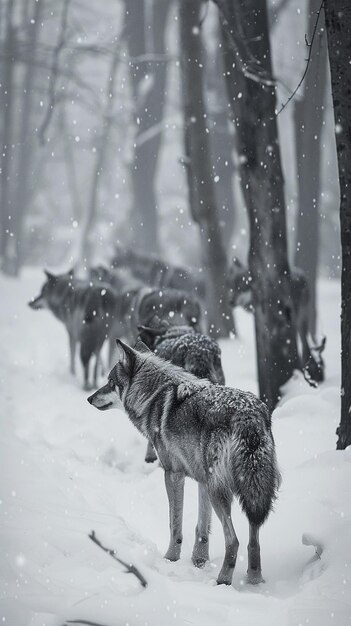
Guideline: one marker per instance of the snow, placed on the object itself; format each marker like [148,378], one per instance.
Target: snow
[68,469]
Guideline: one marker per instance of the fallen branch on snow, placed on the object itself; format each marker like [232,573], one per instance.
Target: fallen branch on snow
[130,568]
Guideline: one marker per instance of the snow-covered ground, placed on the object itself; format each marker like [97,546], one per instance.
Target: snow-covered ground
[67,469]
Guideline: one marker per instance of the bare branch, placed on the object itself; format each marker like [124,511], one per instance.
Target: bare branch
[54,74]
[250,67]
[310,46]
[130,568]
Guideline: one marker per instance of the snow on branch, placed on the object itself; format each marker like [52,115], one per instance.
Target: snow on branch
[130,568]
[308,60]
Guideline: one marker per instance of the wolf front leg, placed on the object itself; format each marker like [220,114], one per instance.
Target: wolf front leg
[222,506]
[200,551]
[175,490]
[72,353]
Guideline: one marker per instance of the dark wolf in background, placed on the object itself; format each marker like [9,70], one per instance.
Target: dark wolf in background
[137,307]
[240,294]
[157,273]
[87,311]
[183,346]
[119,280]
[220,437]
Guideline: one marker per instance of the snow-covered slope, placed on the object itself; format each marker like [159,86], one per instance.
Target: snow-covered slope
[67,469]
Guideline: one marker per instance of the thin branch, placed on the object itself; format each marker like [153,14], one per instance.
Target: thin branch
[81,621]
[249,65]
[54,74]
[310,46]
[130,568]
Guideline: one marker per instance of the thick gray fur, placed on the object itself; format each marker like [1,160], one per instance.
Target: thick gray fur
[219,436]
[184,346]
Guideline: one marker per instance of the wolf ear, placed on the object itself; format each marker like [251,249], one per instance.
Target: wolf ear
[141,347]
[126,354]
[49,275]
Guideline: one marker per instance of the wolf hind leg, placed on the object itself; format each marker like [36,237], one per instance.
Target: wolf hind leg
[150,455]
[175,490]
[221,503]
[254,573]
[200,551]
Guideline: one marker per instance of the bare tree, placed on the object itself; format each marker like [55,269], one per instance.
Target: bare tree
[145,24]
[221,140]
[309,117]
[338,25]
[25,140]
[200,176]
[253,105]
[8,67]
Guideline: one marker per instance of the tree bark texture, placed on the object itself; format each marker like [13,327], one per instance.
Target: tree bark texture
[338,25]
[145,23]
[308,118]
[253,106]
[200,176]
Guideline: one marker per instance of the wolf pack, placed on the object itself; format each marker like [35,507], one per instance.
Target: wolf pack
[167,375]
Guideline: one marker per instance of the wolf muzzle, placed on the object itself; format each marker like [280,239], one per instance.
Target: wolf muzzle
[37,303]
[100,400]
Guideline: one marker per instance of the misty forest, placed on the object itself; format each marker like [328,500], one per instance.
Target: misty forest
[175,244]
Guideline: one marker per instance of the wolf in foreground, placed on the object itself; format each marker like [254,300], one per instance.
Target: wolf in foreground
[184,346]
[220,437]
[87,311]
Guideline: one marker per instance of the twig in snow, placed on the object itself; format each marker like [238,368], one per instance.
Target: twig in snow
[130,568]
[84,622]
[310,46]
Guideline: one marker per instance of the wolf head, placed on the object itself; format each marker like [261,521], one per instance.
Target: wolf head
[112,395]
[239,285]
[49,290]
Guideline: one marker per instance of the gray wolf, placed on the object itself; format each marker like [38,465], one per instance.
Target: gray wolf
[220,437]
[155,272]
[87,311]
[183,346]
[239,284]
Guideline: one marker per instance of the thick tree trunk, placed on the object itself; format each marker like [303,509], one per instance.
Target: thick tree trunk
[7,92]
[309,116]
[200,176]
[253,106]
[25,154]
[145,22]
[338,25]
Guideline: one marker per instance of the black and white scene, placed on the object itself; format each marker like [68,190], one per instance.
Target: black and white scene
[175,320]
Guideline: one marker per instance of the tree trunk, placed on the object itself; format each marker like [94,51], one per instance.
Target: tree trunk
[85,251]
[309,116]
[338,25]
[25,154]
[221,142]
[253,107]
[145,22]
[7,138]
[200,177]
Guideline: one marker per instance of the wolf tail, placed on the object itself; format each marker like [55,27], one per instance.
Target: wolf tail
[247,468]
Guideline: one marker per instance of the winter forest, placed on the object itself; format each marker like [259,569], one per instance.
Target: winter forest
[175,192]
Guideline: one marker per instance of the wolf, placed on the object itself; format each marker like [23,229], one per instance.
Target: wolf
[119,280]
[87,311]
[240,294]
[137,307]
[155,272]
[219,436]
